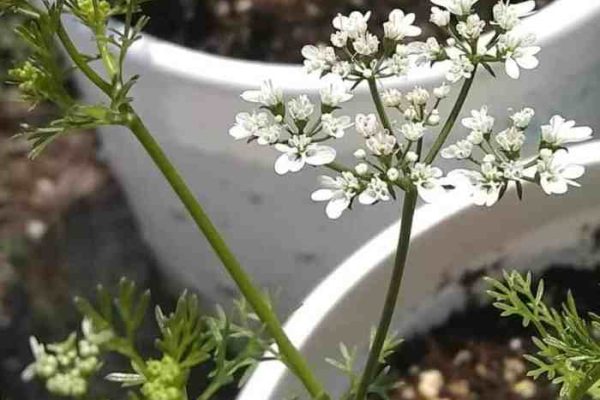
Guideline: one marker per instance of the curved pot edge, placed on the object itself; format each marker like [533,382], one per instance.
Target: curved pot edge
[323,299]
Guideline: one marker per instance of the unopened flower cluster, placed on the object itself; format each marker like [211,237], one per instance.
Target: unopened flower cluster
[393,156]
[66,367]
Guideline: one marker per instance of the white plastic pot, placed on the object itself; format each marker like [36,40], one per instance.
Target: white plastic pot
[189,100]
[447,241]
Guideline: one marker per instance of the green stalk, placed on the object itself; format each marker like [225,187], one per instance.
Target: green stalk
[255,298]
[385,121]
[443,136]
[408,212]
[590,380]
[80,62]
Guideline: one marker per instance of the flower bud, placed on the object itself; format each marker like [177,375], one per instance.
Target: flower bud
[362,168]
[360,154]
[393,174]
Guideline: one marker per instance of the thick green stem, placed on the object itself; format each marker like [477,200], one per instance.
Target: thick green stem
[255,298]
[408,212]
[590,380]
[460,101]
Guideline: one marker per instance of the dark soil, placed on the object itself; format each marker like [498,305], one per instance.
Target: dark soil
[479,354]
[273,30]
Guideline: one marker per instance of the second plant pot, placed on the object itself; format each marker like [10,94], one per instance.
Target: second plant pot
[448,241]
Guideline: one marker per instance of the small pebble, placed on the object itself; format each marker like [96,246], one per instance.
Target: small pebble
[462,357]
[431,383]
[525,388]
[514,368]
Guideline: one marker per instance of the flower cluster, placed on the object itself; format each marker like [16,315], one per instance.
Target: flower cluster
[393,156]
[67,366]
[500,161]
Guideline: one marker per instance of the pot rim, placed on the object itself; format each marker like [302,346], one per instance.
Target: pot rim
[197,65]
[324,298]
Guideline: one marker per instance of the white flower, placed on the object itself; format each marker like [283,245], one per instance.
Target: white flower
[556,173]
[471,28]
[518,52]
[411,156]
[367,125]
[434,117]
[339,39]
[391,98]
[393,174]
[522,119]
[458,7]
[483,186]
[360,154]
[479,121]
[411,113]
[442,91]
[335,127]
[362,169]
[353,25]
[461,67]
[512,170]
[560,132]
[366,44]
[377,190]
[511,140]
[507,16]
[269,135]
[335,94]
[248,125]
[427,51]
[45,365]
[382,144]
[418,96]
[427,180]
[400,26]
[439,17]
[301,108]
[475,137]
[413,131]
[338,192]
[267,95]
[300,151]
[318,58]
[397,64]
[461,150]
[342,69]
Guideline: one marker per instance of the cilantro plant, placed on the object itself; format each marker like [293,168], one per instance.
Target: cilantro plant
[395,161]
[568,347]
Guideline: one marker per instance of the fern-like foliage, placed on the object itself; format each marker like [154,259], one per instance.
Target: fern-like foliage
[568,347]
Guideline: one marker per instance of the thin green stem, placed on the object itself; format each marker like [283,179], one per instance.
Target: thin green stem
[385,121]
[590,380]
[255,298]
[75,55]
[408,212]
[460,101]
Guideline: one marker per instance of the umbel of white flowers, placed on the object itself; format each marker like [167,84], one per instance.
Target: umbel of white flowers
[303,132]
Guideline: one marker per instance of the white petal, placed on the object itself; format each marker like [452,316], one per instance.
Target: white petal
[320,155]
[283,164]
[573,171]
[336,206]
[322,195]
[524,8]
[366,198]
[239,132]
[412,31]
[285,148]
[579,134]
[554,186]
[252,96]
[528,62]
[432,195]
[512,68]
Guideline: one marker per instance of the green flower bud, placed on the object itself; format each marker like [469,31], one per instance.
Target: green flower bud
[88,14]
